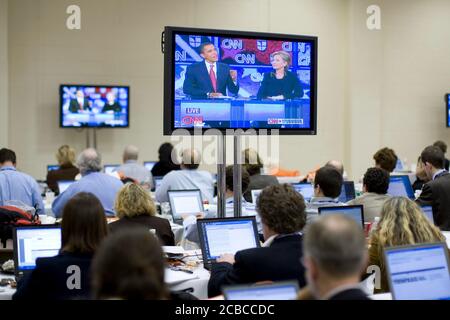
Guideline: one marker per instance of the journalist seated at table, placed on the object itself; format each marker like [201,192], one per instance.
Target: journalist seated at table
[188,178]
[135,208]
[129,265]
[335,256]
[83,229]
[67,169]
[282,212]
[134,170]
[327,188]
[248,209]
[103,186]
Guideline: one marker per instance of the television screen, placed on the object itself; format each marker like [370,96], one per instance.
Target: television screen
[447,108]
[239,80]
[94,106]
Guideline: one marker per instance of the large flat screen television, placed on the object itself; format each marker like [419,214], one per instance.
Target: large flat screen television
[447,109]
[94,106]
[239,80]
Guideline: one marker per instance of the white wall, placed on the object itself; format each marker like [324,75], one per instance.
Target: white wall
[375,88]
[4,73]
[119,43]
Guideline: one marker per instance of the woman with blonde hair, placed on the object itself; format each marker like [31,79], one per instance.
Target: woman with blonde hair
[135,208]
[280,84]
[402,223]
[66,171]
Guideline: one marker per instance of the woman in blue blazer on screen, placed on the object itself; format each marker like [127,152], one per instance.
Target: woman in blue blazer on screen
[280,84]
[67,275]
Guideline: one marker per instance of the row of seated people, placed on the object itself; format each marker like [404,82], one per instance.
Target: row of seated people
[327,258]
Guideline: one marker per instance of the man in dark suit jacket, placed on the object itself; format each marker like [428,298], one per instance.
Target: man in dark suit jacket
[80,103]
[436,192]
[335,256]
[209,78]
[282,212]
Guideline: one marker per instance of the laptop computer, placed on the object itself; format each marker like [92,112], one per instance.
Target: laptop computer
[400,186]
[110,168]
[306,189]
[286,290]
[64,184]
[418,272]
[347,192]
[32,242]
[149,165]
[184,202]
[255,194]
[226,235]
[157,182]
[355,212]
[51,167]
[428,211]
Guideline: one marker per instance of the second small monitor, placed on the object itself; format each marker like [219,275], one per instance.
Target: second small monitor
[185,202]
[400,186]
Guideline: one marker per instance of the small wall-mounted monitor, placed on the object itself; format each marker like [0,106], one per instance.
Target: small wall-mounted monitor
[94,106]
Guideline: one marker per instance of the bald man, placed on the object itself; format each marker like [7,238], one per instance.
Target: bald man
[188,178]
[103,186]
[132,169]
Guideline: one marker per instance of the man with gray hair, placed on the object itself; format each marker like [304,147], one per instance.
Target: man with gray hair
[335,256]
[103,186]
[132,169]
[188,178]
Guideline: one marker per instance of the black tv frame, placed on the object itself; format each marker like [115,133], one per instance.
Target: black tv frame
[92,85]
[447,108]
[169,75]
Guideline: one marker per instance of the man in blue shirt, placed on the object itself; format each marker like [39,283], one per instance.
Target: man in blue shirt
[103,186]
[15,185]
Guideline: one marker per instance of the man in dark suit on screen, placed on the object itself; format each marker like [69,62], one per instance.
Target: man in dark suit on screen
[81,103]
[209,78]
[436,192]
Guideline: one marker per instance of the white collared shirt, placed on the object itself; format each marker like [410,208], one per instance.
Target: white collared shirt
[208,67]
[438,173]
[269,241]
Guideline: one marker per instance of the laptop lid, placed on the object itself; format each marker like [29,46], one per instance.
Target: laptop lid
[428,211]
[157,182]
[400,186]
[355,212]
[32,242]
[110,168]
[149,165]
[255,194]
[305,189]
[185,202]
[226,235]
[347,191]
[64,184]
[51,167]
[419,272]
[286,290]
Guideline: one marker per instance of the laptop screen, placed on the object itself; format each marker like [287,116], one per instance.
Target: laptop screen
[52,167]
[255,194]
[428,211]
[185,202]
[110,168]
[347,192]
[419,272]
[149,165]
[157,182]
[31,243]
[228,235]
[400,186]
[354,212]
[64,184]
[305,189]
[275,291]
